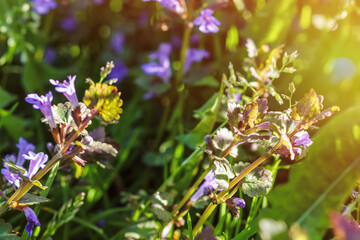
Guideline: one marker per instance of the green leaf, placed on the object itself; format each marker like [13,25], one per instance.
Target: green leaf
[65,214]
[98,147]
[308,107]
[323,180]
[5,231]
[208,81]
[159,202]
[232,39]
[141,230]
[257,182]
[223,173]
[205,126]
[29,199]
[5,98]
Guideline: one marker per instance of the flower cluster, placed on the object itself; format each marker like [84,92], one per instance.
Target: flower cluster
[173,5]
[206,22]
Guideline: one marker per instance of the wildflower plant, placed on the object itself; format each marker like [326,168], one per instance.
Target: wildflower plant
[68,123]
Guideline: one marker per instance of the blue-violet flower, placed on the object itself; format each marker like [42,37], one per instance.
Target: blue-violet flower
[37,161]
[68,89]
[194,55]
[207,23]
[43,6]
[119,71]
[161,67]
[44,104]
[117,42]
[208,184]
[173,5]
[31,218]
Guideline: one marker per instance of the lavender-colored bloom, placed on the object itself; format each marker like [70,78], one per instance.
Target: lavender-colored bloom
[302,139]
[37,161]
[161,67]
[119,71]
[12,178]
[68,89]
[50,55]
[31,218]
[149,95]
[68,23]
[194,55]
[44,104]
[173,5]
[209,183]
[24,147]
[98,2]
[207,23]
[117,42]
[239,202]
[43,6]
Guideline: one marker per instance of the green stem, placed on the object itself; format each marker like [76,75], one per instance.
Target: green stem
[233,183]
[203,218]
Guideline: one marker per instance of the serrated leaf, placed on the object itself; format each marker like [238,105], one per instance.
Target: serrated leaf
[222,140]
[308,107]
[257,182]
[106,99]
[62,115]
[323,180]
[90,145]
[250,114]
[5,231]
[163,198]
[326,113]
[160,212]
[223,173]
[139,230]
[159,202]
[29,199]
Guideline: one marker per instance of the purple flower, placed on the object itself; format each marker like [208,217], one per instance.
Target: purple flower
[207,23]
[161,67]
[117,42]
[239,202]
[50,55]
[68,89]
[98,2]
[194,55]
[12,178]
[68,23]
[44,104]
[24,147]
[208,184]
[37,161]
[173,5]
[302,139]
[119,71]
[31,218]
[43,6]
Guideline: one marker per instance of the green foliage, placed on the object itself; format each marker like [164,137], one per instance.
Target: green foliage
[159,202]
[196,136]
[5,98]
[30,199]
[223,173]
[5,231]
[257,182]
[65,214]
[106,99]
[323,180]
[141,230]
